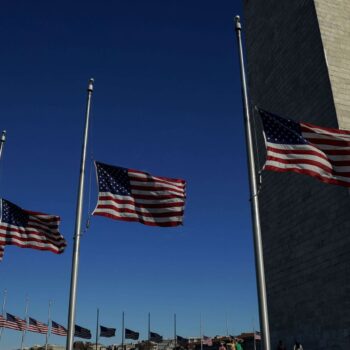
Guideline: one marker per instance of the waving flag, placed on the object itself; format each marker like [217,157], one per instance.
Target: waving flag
[323,153]
[58,329]
[27,229]
[2,321]
[207,341]
[2,251]
[14,322]
[81,332]
[37,327]
[129,334]
[107,332]
[155,337]
[132,195]
[181,339]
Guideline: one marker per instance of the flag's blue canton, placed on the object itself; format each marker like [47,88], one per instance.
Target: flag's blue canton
[32,321]
[113,179]
[11,318]
[13,215]
[280,130]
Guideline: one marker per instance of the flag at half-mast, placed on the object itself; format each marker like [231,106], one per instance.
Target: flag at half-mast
[107,332]
[28,229]
[82,332]
[2,321]
[36,326]
[180,339]
[129,334]
[14,322]
[155,337]
[207,341]
[58,329]
[132,195]
[304,148]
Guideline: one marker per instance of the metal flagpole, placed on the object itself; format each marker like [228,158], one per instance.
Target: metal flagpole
[77,232]
[48,325]
[175,337]
[2,142]
[3,311]
[123,331]
[25,319]
[98,314]
[123,334]
[200,330]
[149,326]
[259,260]
[226,326]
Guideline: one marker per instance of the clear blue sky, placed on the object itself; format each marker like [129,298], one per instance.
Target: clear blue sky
[167,100]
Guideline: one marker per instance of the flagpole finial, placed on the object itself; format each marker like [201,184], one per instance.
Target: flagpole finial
[238,22]
[91,84]
[3,136]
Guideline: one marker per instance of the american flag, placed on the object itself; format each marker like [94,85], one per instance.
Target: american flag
[180,339]
[132,195]
[81,332]
[58,329]
[304,148]
[257,336]
[107,332]
[27,229]
[2,321]
[155,337]
[207,341]
[129,334]
[14,322]
[37,327]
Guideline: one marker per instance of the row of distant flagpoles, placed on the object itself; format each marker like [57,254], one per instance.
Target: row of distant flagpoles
[30,324]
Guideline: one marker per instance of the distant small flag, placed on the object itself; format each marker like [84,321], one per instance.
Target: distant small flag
[132,195]
[181,339]
[129,334]
[155,337]
[27,229]
[2,251]
[308,149]
[58,329]
[14,322]
[257,336]
[37,327]
[107,332]
[207,341]
[81,332]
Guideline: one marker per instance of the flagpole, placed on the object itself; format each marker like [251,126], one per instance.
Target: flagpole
[25,319]
[2,142]
[123,329]
[149,326]
[3,311]
[175,338]
[200,330]
[98,314]
[48,325]
[259,259]
[226,325]
[77,232]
